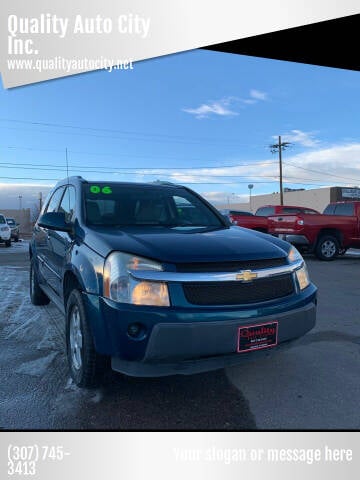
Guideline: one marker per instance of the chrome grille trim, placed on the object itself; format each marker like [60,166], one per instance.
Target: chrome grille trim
[179,277]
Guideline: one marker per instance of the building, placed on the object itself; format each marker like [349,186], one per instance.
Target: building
[316,198]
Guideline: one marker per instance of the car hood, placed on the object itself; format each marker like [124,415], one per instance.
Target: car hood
[171,245]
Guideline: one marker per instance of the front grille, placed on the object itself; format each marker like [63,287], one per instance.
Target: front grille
[234,293]
[230,266]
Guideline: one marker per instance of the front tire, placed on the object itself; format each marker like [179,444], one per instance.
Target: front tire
[85,364]
[327,248]
[8,243]
[37,296]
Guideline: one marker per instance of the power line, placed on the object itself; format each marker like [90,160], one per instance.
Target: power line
[188,183]
[208,167]
[148,136]
[321,172]
[154,174]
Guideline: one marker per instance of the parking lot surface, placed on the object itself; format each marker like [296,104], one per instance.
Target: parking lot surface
[314,384]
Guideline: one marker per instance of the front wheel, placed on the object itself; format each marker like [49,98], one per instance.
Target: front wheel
[327,248]
[7,243]
[86,365]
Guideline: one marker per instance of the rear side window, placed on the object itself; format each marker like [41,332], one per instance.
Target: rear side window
[265,211]
[329,210]
[291,210]
[309,211]
[344,209]
[53,204]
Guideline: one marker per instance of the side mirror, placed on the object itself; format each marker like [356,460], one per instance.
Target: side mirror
[55,221]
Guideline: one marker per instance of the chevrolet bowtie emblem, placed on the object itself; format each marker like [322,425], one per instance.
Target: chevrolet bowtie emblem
[246,276]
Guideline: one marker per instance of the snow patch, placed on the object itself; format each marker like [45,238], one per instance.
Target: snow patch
[38,367]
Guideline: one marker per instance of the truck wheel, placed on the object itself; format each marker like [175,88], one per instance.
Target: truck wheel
[7,243]
[86,365]
[327,248]
[37,296]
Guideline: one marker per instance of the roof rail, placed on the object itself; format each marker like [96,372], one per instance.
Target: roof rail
[163,182]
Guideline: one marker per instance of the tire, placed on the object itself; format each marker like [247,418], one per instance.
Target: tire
[16,239]
[8,243]
[327,248]
[37,296]
[86,366]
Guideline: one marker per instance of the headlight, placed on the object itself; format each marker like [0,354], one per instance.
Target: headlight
[302,274]
[120,286]
[294,255]
[303,277]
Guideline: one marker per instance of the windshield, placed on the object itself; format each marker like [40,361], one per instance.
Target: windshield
[2,219]
[135,205]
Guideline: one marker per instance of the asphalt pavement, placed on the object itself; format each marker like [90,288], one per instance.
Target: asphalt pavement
[312,385]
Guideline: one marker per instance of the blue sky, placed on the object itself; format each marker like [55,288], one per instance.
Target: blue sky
[201,118]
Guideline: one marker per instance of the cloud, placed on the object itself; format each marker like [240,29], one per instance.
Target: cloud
[222,107]
[258,95]
[305,139]
[335,165]
[223,198]
[219,107]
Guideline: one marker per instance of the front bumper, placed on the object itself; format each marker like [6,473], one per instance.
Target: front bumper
[187,341]
[200,347]
[5,236]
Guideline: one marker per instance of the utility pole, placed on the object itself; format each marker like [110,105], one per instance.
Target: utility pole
[279,147]
[40,201]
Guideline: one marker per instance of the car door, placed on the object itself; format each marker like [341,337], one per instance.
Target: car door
[43,244]
[61,242]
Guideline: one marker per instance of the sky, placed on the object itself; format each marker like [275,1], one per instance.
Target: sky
[204,119]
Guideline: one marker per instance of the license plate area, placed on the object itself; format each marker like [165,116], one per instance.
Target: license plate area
[257,337]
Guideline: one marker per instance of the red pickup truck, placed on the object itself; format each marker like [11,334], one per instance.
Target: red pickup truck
[259,221]
[327,235]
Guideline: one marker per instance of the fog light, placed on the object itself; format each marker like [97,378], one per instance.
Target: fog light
[136,330]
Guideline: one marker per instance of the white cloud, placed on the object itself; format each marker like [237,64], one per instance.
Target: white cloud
[219,107]
[223,198]
[305,139]
[258,95]
[335,165]
[222,107]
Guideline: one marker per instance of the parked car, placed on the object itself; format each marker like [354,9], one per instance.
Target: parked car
[5,232]
[327,235]
[259,221]
[153,280]
[14,227]
[268,210]
[232,214]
